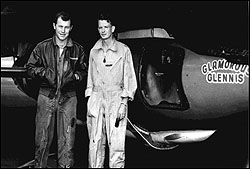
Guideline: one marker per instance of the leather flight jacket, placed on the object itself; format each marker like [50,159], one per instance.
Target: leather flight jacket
[42,64]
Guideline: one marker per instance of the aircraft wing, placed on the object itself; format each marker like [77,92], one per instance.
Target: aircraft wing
[13,72]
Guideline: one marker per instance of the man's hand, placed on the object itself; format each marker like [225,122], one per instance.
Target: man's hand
[77,77]
[121,111]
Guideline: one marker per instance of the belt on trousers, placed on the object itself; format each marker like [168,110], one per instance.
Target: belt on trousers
[107,88]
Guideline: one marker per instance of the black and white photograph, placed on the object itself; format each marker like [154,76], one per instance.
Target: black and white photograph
[124,84]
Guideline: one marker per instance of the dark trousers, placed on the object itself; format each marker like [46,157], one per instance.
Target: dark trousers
[64,108]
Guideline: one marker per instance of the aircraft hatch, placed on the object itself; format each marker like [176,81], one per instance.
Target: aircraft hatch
[160,77]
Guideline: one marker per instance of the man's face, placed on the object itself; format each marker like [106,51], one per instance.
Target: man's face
[105,29]
[62,29]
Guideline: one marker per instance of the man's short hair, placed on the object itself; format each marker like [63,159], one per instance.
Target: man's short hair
[106,16]
[64,15]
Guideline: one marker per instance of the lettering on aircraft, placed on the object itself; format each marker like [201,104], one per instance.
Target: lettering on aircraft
[235,74]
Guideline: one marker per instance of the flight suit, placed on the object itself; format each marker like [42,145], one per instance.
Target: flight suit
[63,108]
[111,77]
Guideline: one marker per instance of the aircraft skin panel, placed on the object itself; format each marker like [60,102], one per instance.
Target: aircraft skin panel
[211,99]
[206,100]
[145,33]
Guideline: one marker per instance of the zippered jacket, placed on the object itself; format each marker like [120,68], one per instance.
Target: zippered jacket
[43,64]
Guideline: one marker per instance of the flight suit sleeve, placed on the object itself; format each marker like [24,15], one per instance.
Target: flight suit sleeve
[130,83]
[88,90]
[35,66]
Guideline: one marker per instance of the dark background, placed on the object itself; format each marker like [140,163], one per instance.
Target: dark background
[194,24]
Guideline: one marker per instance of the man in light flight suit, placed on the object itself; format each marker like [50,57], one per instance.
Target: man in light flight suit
[111,83]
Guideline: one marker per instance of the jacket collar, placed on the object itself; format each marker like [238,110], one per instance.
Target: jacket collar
[69,41]
[99,45]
